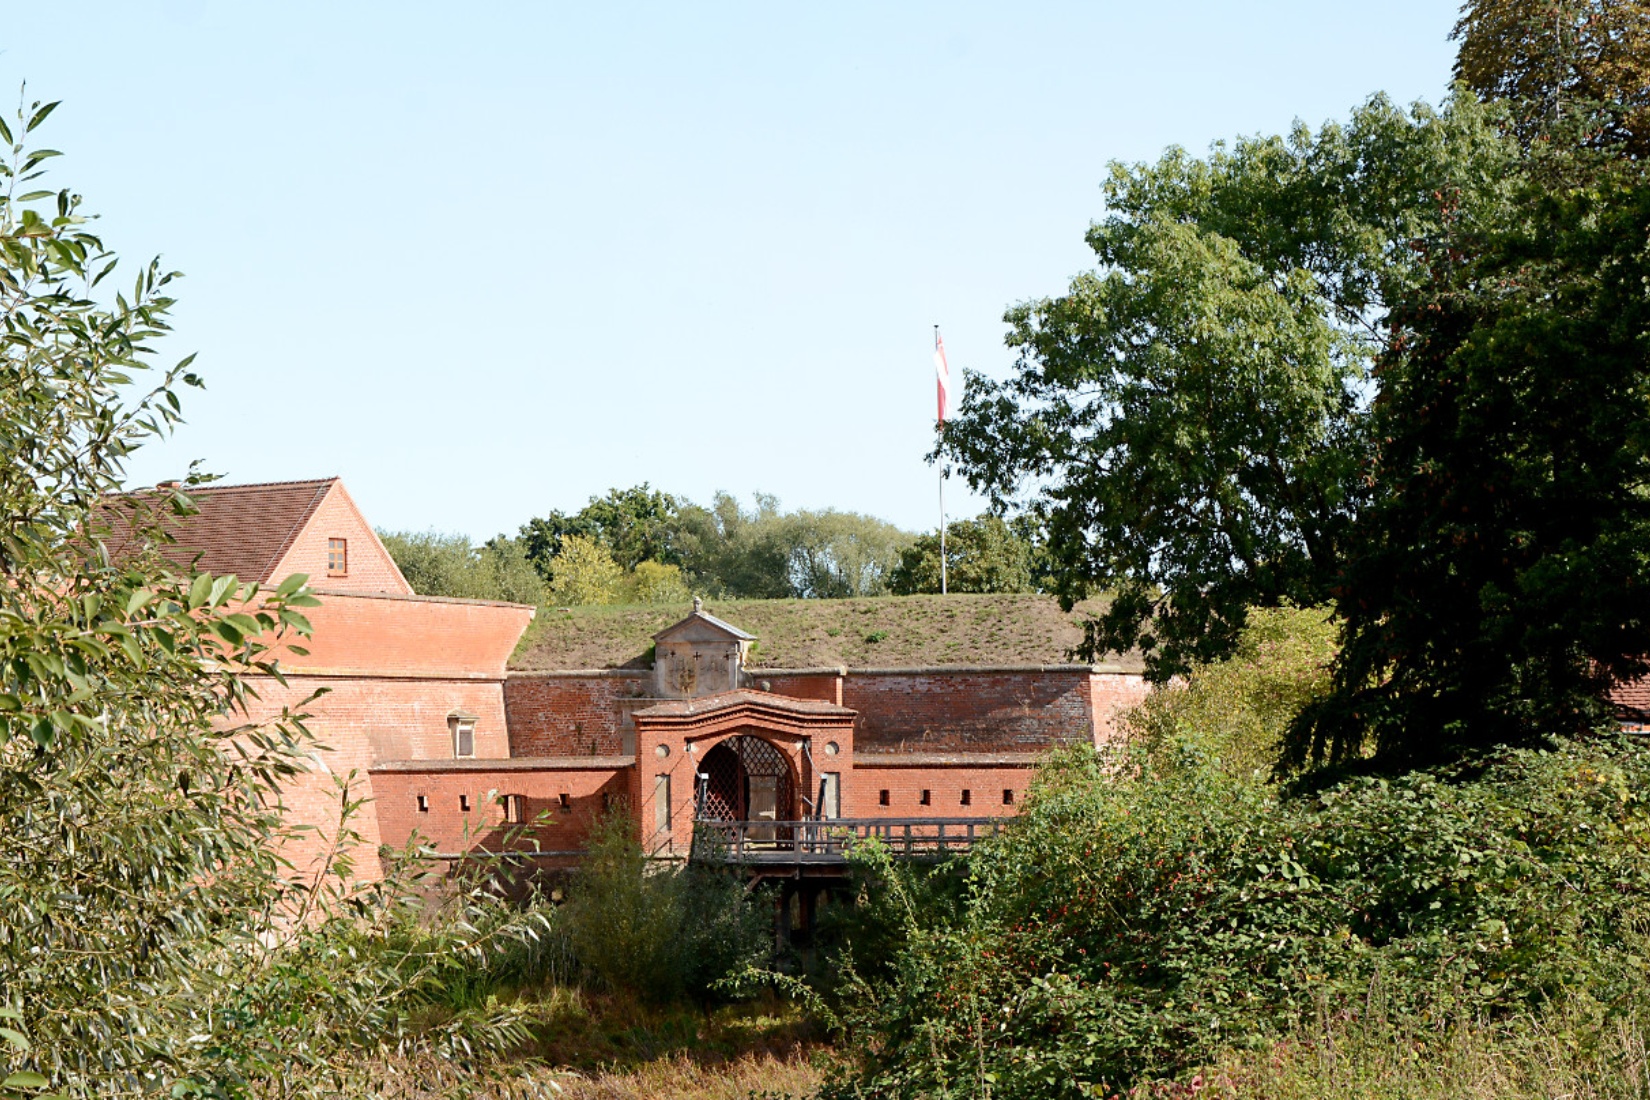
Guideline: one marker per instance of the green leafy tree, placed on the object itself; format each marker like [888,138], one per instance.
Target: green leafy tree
[1237,711]
[437,564]
[636,525]
[651,582]
[1191,419]
[735,552]
[139,810]
[1498,583]
[585,573]
[981,555]
[832,554]
[1570,69]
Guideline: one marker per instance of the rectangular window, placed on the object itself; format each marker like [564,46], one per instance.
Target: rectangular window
[968,798]
[337,557]
[515,809]
[464,803]
[464,739]
[565,801]
[882,798]
[831,804]
[661,805]
[423,803]
[1008,796]
[927,798]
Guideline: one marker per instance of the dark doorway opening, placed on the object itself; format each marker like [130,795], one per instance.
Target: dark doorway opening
[746,779]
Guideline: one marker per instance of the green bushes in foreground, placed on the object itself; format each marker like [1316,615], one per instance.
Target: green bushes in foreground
[659,933]
[1144,916]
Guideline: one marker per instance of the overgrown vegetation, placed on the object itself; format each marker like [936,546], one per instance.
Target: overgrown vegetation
[448,565]
[660,934]
[1151,913]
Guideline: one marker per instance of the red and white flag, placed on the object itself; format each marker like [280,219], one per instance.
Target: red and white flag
[942,373]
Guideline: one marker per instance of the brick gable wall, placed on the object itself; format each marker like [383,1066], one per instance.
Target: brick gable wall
[371,569]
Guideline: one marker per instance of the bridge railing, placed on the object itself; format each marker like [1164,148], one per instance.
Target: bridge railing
[830,840]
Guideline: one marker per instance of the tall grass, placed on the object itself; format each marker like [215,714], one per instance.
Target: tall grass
[1544,1057]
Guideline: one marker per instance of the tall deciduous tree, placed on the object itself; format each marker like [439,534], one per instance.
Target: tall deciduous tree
[981,555]
[1567,68]
[1189,421]
[1498,582]
[139,812]
[636,525]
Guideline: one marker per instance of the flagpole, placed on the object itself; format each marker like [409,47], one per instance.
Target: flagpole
[942,532]
[943,584]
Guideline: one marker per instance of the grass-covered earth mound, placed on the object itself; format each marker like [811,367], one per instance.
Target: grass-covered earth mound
[880,632]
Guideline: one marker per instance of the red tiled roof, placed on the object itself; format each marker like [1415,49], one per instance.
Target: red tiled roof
[1632,702]
[239,529]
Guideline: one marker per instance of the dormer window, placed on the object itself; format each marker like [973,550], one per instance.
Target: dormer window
[337,557]
[463,727]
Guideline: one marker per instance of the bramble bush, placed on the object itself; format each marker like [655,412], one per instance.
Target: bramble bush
[1144,915]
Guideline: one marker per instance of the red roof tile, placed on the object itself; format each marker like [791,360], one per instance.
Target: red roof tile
[239,529]
[1632,702]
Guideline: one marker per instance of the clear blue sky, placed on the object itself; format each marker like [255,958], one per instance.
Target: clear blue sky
[486,260]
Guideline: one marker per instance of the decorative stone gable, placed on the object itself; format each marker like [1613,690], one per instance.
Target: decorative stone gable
[701,655]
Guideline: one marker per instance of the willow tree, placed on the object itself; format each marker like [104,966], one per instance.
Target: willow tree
[139,810]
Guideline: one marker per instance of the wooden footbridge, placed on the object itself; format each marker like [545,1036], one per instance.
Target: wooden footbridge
[820,848]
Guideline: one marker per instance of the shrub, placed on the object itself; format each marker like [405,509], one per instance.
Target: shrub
[660,932]
[1238,709]
[1134,922]
[651,582]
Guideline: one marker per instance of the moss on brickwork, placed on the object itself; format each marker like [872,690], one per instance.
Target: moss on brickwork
[890,631]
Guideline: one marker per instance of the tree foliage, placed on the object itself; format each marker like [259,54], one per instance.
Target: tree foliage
[1237,711]
[585,573]
[438,564]
[1498,581]
[981,555]
[138,808]
[1189,421]
[635,525]
[153,940]
[833,554]
[1568,69]
[725,550]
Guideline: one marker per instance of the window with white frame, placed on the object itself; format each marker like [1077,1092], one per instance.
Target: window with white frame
[463,727]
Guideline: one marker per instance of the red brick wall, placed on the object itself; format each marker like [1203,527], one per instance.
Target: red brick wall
[451,829]
[561,714]
[945,784]
[1113,693]
[395,668]
[825,686]
[558,715]
[980,711]
[365,721]
[396,635]
[401,719]
[371,569]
